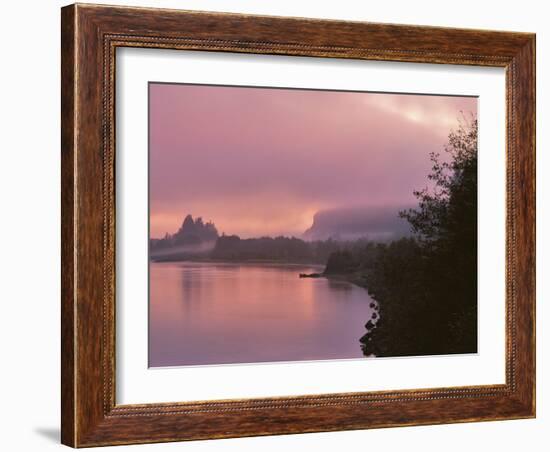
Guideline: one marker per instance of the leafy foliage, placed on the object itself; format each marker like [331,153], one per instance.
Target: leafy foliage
[426,286]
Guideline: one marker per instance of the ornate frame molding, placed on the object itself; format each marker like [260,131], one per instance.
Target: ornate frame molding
[90,37]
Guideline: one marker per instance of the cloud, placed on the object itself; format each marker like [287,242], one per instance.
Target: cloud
[263,161]
[428,110]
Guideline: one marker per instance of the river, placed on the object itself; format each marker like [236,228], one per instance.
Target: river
[220,313]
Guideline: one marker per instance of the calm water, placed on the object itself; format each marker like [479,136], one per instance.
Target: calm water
[209,313]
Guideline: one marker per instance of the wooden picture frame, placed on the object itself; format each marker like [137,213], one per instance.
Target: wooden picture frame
[90,36]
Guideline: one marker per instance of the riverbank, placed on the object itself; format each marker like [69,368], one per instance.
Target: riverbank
[241,262]
[354,278]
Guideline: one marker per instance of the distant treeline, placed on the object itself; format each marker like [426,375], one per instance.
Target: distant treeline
[196,239]
[283,249]
[425,286]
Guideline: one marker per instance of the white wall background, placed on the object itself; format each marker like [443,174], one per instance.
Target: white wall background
[29,225]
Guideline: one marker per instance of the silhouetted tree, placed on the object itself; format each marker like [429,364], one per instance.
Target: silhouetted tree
[447,214]
[191,232]
[426,287]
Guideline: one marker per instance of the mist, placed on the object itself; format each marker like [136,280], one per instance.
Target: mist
[378,223]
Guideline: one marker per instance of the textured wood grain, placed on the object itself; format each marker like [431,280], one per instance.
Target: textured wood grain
[67,224]
[90,36]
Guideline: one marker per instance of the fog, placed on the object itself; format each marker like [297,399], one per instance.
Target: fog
[178,251]
[374,223]
[262,161]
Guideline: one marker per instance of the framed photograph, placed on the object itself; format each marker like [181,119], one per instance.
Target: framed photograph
[281,225]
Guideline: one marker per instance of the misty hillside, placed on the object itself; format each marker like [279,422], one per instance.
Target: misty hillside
[332,230]
[193,237]
[372,223]
[195,231]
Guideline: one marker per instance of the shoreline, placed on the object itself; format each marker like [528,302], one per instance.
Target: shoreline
[239,262]
[354,279]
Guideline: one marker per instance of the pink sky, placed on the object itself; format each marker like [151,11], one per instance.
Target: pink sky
[261,161]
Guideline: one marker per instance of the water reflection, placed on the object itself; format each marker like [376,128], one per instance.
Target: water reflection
[205,313]
[336,284]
